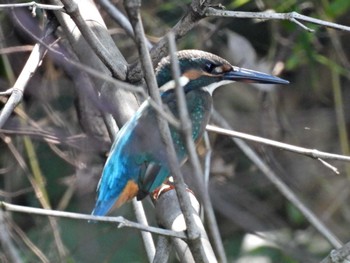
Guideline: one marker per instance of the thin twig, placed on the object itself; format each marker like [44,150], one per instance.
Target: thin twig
[6,242]
[16,49]
[27,72]
[207,161]
[146,236]
[6,92]
[284,146]
[119,219]
[199,10]
[96,73]
[91,71]
[40,193]
[280,185]
[37,180]
[17,91]
[292,16]
[120,18]
[46,136]
[29,243]
[32,4]
[16,193]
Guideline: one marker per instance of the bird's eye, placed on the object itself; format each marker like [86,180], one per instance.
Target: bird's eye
[213,69]
[209,67]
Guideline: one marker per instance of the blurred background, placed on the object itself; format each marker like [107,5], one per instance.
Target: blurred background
[47,159]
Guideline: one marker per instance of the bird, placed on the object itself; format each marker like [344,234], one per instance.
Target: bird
[138,146]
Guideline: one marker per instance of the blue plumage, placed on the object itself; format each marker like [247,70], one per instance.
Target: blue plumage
[138,147]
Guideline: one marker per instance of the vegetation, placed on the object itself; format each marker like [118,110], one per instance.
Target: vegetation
[53,146]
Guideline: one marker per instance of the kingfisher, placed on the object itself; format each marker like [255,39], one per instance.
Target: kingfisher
[138,146]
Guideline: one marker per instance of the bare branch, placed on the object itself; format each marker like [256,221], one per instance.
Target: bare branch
[30,67]
[33,5]
[27,72]
[117,68]
[280,185]
[147,237]
[199,10]
[29,243]
[6,241]
[292,16]
[123,104]
[16,193]
[38,186]
[284,146]
[121,220]
[120,18]
[9,50]
[328,165]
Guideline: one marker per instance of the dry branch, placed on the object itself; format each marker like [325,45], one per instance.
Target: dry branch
[119,219]
[280,185]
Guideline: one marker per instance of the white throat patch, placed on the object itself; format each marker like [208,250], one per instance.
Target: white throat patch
[215,85]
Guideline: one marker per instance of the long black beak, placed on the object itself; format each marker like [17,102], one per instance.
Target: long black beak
[251,76]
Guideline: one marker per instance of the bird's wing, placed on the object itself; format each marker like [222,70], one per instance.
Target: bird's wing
[118,182]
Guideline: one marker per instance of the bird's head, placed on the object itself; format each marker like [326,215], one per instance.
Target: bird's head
[206,70]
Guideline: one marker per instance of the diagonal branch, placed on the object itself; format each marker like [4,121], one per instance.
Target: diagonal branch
[120,18]
[193,156]
[313,153]
[280,185]
[133,10]
[6,242]
[27,72]
[30,67]
[119,219]
[117,68]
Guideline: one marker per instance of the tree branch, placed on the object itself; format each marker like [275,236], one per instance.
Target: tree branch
[117,68]
[119,219]
[33,5]
[292,16]
[6,241]
[18,88]
[280,185]
[120,18]
[313,153]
